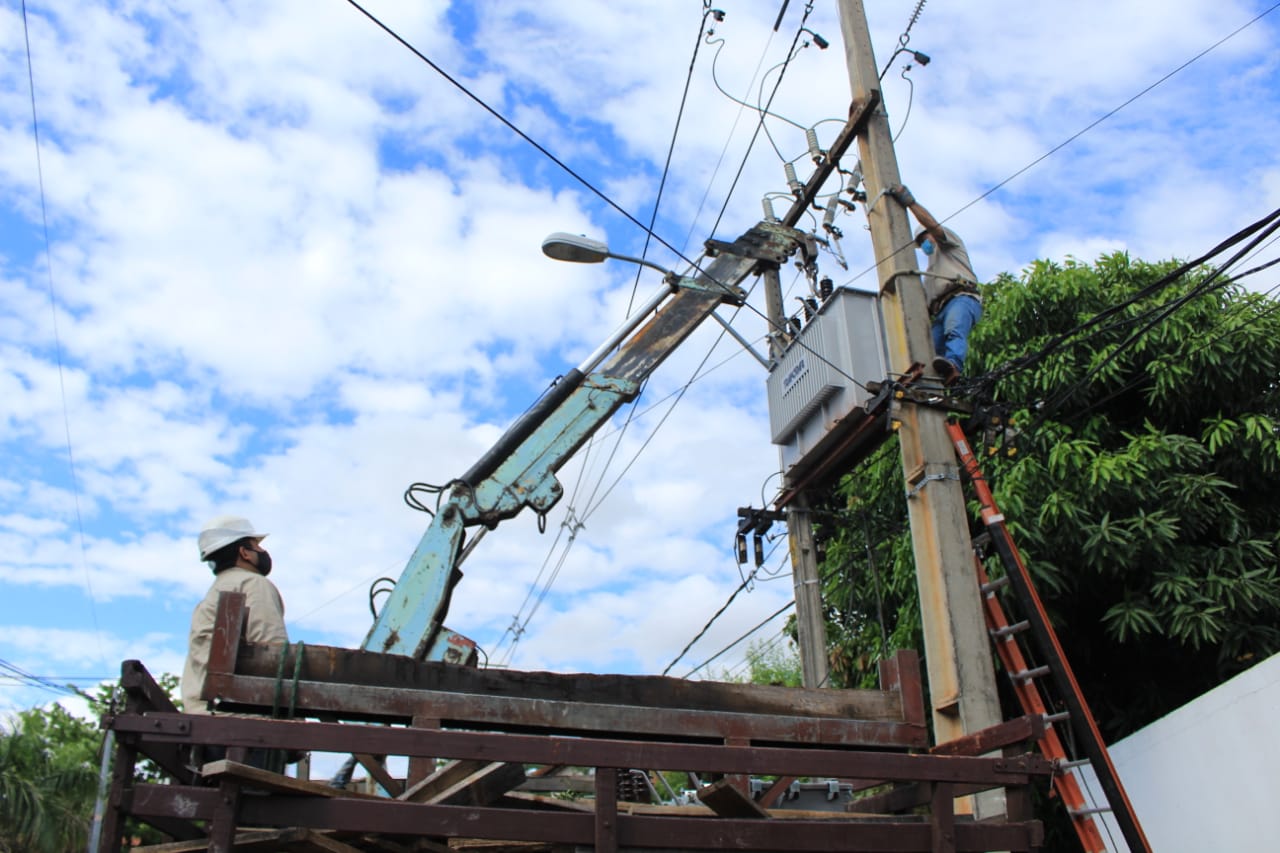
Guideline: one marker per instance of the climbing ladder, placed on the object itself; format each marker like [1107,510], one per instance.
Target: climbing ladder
[1030,693]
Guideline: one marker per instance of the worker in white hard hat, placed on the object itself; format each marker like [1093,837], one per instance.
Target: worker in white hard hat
[950,288]
[233,549]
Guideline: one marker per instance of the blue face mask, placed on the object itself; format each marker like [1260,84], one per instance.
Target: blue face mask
[927,247]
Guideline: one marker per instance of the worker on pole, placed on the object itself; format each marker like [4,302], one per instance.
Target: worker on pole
[950,287]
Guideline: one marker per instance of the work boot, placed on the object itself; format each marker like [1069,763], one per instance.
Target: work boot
[947,369]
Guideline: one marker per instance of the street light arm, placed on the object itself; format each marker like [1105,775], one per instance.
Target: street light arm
[580,249]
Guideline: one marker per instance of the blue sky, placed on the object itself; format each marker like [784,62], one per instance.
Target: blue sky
[291,270]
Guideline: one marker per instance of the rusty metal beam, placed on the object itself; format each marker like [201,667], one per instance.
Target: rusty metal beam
[726,800]
[518,713]
[576,751]
[394,817]
[346,666]
[1020,730]
[606,836]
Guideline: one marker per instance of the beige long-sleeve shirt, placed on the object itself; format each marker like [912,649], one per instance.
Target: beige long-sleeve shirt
[266,625]
[949,270]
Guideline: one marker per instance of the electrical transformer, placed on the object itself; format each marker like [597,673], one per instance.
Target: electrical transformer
[814,386]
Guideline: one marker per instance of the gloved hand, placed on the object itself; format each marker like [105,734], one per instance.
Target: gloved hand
[902,194]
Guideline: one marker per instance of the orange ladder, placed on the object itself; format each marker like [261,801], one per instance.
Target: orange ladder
[1030,695]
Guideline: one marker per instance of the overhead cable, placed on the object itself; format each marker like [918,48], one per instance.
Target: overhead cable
[517,131]
[57,337]
[671,147]
[774,615]
[1266,225]
[760,124]
[1076,135]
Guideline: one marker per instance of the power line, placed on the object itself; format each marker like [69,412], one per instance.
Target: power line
[774,615]
[1057,341]
[1079,133]
[27,679]
[517,131]
[671,147]
[57,337]
[791,52]
[1267,226]
[707,627]
[599,193]
[517,628]
[1115,110]
[724,149]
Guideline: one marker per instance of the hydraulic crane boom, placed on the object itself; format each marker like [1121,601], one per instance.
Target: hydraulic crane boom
[519,471]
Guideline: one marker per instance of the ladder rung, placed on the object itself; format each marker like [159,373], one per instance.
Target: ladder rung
[1009,630]
[1060,717]
[1028,674]
[997,584]
[1084,812]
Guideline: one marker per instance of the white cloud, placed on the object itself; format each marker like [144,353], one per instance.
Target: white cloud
[295,270]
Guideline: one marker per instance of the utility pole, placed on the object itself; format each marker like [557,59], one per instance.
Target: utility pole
[811,628]
[961,675]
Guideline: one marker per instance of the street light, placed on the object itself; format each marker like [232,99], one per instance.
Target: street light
[580,249]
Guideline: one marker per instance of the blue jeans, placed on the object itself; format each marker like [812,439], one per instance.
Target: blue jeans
[952,326]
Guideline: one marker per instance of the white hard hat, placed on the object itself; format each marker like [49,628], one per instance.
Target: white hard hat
[222,531]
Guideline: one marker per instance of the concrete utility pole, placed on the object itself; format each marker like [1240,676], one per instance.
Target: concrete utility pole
[811,628]
[958,654]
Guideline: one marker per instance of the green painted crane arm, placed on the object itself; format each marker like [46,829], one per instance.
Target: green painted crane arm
[519,471]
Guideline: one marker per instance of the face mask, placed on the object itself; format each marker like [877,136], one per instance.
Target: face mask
[927,247]
[264,563]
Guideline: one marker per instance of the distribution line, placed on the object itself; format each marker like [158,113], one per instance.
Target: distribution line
[517,131]
[671,147]
[1079,133]
[57,339]
[783,609]
[541,149]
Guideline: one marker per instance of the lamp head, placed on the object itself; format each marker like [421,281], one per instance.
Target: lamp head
[575,248]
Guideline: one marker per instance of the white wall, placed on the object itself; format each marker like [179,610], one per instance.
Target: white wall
[1207,777]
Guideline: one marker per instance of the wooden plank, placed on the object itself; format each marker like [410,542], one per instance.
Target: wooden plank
[244,841]
[224,646]
[142,688]
[770,797]
[446,777]
[1019,730]
[267,781]
[903,797]
[399,818]
[323,844]
[524,714]
[374,766]
[484,845]
[574,783]
[698,810]
[420,767]
[901,675]
[606,835]
[482,787]
[727,800]
[348,666]
[944,819]
[587,752]
[264,840]
[226,815]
